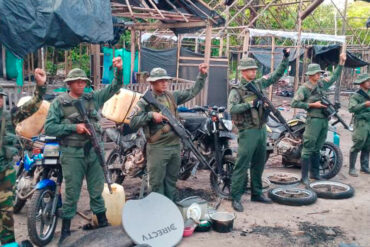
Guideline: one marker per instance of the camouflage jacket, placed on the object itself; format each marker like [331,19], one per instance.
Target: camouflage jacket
[143,115]
[358,108]
[12,118]
[309,93]
[244,115]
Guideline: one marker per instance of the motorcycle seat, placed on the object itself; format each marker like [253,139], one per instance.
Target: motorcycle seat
[194,123]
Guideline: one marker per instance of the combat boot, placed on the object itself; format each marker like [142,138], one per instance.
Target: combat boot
[237,206]
[305,166]
[364,159]
[102,220]
[315,167]
[66,230]
[352,162]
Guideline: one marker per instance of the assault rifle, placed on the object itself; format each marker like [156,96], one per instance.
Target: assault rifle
[177,127]
[251,87]
[331,110]
[94,141]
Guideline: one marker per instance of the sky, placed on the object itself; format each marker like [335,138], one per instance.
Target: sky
[339,3]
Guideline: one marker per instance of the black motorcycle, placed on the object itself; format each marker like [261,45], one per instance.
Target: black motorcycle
[210,130]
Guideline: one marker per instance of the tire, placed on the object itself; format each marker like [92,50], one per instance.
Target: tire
[331,160]
[117,175]
[294,179]
[286,196]
[225,182]
[347,191]
[41,200]
[18,204]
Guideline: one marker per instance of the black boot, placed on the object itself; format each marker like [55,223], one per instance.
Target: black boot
[260,198]
[237,206]
[102,220]
[25,243]
[315,166]
[364,158]
[66,230]
[305,166]
[352,163]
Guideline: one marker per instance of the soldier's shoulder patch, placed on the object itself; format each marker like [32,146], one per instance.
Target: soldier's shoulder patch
[134,111]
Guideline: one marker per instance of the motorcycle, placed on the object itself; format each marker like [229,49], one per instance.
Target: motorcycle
[210,130]
[280,142]
[42,216]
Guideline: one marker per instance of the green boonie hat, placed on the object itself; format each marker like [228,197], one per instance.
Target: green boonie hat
[158,74]
[361,79]
[314,68]
[77,74]
[2,93]
[247,63]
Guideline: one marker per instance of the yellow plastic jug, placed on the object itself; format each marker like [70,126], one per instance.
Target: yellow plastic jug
[114,204]
[33,125]
[120,106]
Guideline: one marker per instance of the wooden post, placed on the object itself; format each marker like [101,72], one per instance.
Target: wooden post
[95,50]
[66,62]
[296,79]
[272,63]
[246,44]
[29,68]
[80,58]
[32,62]
[132,53]
[139,51]
[220,51]
[42,58]
[207,56]
[196,45]
[178,57]
[305,57]
[4,61]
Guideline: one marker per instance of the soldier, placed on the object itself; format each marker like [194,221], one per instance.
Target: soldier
[359,105]
[249,117]
[78,158]
[163,148]
[8,141]
[308,97]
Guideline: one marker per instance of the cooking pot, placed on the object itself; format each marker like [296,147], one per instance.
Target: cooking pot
[222,221]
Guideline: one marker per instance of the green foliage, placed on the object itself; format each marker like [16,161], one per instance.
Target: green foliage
[51,68]
[81,61]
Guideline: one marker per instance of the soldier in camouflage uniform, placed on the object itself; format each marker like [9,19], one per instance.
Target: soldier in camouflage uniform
[78,158]
[8,140]
[308,97]
[359,105]
[163,148]
[248,114]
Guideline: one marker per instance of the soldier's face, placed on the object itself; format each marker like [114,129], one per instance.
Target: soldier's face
[160,86]
[249,74]
[365,85]
[77,87]
[1,101]
[315,77]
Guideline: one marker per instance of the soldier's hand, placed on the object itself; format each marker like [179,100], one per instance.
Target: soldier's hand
[117,62]
[203,68]
[367,103]
[317,104]
[342,58]
[82,129]
[40,77]
[158,117]
[286,52]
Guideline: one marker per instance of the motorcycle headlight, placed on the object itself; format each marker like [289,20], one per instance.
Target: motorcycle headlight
[51,150]
[228,124]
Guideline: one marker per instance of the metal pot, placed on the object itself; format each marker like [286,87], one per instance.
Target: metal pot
[222,221]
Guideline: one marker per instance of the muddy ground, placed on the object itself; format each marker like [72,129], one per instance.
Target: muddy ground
[325,223]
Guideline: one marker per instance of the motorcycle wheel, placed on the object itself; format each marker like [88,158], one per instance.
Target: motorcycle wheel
[292,196]
[331,160]
[18,204]
[332,190]
[117,175]
[222,186]
[40,223]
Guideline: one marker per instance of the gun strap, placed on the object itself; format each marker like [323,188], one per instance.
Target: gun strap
[363,94]
[165,129]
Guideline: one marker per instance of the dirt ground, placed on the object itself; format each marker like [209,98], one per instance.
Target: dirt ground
[325,223]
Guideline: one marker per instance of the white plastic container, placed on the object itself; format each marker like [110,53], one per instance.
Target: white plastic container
[33,125]
[114,204]
[120,106]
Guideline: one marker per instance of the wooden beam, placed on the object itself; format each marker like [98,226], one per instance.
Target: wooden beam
[159,25]
[132,54]
[174,7]
[299,27]
[207,56]
[95,50]
[129,8]
[246,44]
[221,49]
[272,63]
[155,6]
[3,54]
[178,56]
[310,8]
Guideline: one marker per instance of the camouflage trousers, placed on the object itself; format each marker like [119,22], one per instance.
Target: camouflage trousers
[7,188]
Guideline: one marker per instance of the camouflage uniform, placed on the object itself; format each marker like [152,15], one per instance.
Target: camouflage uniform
[7,152]
[316,128]
[78,158]
[163,148]
[250,122]
[361,134]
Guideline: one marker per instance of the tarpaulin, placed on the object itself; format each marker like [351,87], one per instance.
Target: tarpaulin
[166,59]
[329,55]
[14,68]
[27,25]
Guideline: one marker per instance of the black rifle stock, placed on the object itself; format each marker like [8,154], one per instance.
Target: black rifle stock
[94,141]
[177,127]
[271,107]
[332,111]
